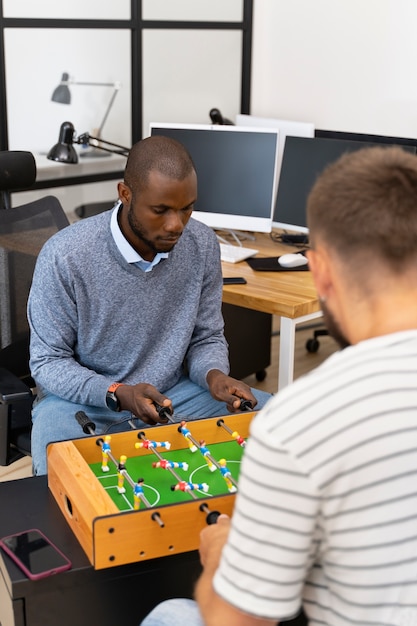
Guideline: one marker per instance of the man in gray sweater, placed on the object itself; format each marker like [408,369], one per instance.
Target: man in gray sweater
[125,310]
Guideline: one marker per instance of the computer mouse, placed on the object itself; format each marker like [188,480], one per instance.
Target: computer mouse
[292,260]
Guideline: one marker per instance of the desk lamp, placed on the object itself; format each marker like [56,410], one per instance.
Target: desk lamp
[64,150]
[62,94]
[218,119]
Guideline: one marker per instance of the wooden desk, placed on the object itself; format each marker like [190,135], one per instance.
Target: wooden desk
[290,295]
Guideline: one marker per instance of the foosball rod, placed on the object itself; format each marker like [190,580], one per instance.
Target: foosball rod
[141,435]
[208,456]
[167,414]
[233,433]
[211,516]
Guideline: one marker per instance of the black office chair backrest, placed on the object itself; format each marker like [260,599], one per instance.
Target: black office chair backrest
[17,172]
[23,231]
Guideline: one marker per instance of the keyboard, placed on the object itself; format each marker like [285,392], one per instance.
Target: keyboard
[234,254]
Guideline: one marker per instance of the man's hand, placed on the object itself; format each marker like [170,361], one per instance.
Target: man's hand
[215,610]
[141,399]
[229,390]
[212,540]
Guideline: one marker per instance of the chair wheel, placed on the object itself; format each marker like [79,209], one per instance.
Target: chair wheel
[312,345]
[261,375]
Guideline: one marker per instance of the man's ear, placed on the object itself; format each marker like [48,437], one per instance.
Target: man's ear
[125,195]
[319,265]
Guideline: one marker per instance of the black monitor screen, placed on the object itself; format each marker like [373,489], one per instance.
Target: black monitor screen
[365,137]
[303,161]
[236,170]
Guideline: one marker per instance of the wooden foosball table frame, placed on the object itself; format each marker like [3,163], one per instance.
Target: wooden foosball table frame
[110,537]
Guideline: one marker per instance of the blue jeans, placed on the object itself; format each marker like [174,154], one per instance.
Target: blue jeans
[54,418]
[177,612]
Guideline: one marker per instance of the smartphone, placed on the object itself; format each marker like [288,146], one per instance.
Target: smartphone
[35,554]
[234,280]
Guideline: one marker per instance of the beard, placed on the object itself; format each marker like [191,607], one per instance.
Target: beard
[141,234]
[333,327]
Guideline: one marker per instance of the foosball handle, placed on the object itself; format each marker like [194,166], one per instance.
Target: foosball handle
[245,405]
[164,412]
[212,516]
[86,424]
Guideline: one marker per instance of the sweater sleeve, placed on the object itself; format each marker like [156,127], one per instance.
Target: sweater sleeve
[52,316]
[208,347]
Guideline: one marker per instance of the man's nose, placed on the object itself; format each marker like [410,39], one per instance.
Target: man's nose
[173,222]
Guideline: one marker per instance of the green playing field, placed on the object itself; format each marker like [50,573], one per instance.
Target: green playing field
[158,481]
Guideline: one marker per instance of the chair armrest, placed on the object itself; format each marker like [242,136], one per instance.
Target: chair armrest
[12,389]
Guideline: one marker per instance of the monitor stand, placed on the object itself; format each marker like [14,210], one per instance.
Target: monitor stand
[237,236]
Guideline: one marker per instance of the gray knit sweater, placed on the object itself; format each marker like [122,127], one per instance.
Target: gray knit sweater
[96,319]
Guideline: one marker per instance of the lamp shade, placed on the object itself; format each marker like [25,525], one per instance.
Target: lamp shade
[64,151]
[62,93]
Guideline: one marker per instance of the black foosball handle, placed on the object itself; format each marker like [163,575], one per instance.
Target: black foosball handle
[211,517]
[86,424]
[164,412]
[245,405]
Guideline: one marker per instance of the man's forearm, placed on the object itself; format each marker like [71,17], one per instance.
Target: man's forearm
[217,612]
[214,610]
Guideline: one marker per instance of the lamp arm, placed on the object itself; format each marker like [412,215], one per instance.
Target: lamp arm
[109,106]
[73,82]
[85,140]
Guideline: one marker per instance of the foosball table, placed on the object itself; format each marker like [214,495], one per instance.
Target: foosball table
[144,494]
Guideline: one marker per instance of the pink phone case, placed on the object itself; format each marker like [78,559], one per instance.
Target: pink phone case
[62,564]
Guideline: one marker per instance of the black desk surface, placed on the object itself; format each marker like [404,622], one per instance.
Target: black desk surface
[119,595]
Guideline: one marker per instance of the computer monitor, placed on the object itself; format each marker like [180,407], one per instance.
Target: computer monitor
[365,137]
[287,128]
[237,173]
[303,161]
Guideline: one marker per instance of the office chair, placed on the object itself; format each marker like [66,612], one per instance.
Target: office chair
[313,344]
[93,208]
[23,231]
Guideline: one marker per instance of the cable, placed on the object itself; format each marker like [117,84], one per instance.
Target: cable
[299,241]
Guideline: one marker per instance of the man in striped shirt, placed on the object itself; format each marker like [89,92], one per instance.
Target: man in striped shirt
[326,514]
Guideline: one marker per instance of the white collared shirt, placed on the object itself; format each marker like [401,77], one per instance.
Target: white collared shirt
[128,252]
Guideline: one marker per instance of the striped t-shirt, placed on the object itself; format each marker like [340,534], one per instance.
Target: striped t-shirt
[326,514]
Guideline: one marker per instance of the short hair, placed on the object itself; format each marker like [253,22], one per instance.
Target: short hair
[366,204]
[166,155]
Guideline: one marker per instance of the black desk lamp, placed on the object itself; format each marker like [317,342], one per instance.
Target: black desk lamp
[62,95]
[64,150]
[218,119]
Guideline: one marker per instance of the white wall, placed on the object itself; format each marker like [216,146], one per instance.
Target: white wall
[342,64]
[185,74]
[101,56]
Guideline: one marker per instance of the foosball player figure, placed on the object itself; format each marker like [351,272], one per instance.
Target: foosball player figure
[137,491]
[120,475]
[226,475]
[105,449]
[183,485]
[165,464]
[184,431]
[206,454]
[148,443]
[239,439]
